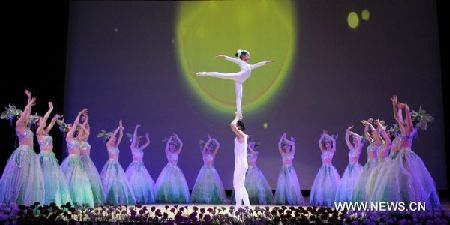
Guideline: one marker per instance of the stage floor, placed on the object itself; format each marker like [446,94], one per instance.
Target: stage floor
[206,214]
[190,207]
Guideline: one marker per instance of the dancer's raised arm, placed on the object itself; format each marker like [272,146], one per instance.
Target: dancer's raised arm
[86,126]
[180,143]
[168,143]
[322,136]
[394,100]
[292,145]
[135,139]
[74,126]
[83,133]
[347,138]
[281,142]
[217,146]
[47,114]
[251,146]
[146,143]
[381,129]
[43,120]
[23,118]
[333,140]
[359,143]
[408,114]
[120,133]
[52,122]
[367,125]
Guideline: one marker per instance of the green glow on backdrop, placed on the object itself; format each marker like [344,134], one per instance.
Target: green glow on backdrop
[207,28]
[353,20]
[365,15]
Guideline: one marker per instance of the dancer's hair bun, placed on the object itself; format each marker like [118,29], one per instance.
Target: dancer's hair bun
[241,125]
[241,52]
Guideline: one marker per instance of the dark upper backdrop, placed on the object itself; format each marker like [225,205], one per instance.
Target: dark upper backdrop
[337,78]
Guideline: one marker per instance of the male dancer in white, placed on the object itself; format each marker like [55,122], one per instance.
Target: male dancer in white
[240,77]
[240,161]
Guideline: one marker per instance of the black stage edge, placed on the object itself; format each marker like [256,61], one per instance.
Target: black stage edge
[443,47]
[33,46]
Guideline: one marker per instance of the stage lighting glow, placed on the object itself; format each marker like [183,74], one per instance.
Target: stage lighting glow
[365,15]
[207,28]
[353,20]
[265,125]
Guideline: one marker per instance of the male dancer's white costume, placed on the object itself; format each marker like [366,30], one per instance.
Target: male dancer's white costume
[240,168]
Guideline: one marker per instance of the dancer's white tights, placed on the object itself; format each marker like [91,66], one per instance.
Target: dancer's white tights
[238,79]
[240,192]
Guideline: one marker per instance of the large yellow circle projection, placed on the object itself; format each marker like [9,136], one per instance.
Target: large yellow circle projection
[205,29]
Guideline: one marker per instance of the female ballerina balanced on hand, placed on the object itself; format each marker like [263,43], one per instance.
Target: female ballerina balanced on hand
[240,77]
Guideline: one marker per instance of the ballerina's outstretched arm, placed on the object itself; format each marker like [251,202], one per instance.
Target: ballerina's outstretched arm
[238,61]
[262,63]
[230,59]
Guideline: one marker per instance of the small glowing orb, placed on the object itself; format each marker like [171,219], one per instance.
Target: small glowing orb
[353,20]
[365,15]
[265,125]
[205,29]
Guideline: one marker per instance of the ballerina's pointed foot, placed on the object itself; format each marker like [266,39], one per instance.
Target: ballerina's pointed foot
[200,73]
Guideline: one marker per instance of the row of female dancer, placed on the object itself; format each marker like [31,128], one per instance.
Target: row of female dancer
[393,172]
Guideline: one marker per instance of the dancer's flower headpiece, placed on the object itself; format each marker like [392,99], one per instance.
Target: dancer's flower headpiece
[421,118]
[356,136]
[11,112]
[63,127]
[213,143]
[329,138]
[130,136]
[105,135]
[174,140]
[284,141]
[33,119]
[257,143]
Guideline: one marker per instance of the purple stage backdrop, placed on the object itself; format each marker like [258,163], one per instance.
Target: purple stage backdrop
[122,63]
